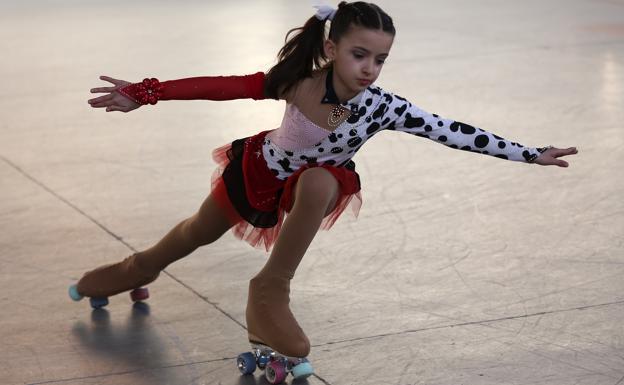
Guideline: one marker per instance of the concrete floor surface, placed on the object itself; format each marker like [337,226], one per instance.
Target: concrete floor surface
[461,268]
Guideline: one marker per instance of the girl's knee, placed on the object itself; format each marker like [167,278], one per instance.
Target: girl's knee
[317,187]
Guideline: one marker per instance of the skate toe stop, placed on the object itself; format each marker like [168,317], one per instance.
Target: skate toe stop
[73,293]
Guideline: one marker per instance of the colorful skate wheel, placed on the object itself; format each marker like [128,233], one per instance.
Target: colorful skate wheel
[275,372]
[302,370]
[139,294]
[73,293]
[263,361]
[97,303]
[246,363]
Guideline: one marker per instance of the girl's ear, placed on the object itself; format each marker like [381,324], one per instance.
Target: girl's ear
[330,49]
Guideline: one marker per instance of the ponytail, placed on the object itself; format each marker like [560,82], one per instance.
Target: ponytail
[298,58]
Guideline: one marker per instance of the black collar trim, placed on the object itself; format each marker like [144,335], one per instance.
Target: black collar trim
[331,97]
[330,93]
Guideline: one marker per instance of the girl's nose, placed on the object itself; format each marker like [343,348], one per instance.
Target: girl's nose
[368,68]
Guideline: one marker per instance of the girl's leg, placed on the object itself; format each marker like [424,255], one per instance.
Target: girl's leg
[204,227]
[269,319]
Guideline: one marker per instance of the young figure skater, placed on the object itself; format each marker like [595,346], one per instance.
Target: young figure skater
[302,168]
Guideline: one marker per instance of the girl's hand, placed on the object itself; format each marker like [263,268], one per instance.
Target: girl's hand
[113,101]
[549,157]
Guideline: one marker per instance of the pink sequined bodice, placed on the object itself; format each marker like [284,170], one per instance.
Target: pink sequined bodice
[297,131]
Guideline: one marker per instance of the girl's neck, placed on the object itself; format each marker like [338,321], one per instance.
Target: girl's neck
[342,93]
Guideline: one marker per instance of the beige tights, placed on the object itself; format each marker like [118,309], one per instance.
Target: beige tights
[269,319]
[141,268]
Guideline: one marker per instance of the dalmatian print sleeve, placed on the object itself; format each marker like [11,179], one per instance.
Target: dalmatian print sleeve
[406,117]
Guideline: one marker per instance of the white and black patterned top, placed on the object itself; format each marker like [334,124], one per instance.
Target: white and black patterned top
[375,110]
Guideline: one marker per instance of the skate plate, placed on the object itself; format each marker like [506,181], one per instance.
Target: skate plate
[136,295]
[276,365]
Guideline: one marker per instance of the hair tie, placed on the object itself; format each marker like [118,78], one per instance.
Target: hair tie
[324,11]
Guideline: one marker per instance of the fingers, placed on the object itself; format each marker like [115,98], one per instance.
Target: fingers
[111,80]
[103,89]
[115,108]
[101,101]
[563,152]
[559,152]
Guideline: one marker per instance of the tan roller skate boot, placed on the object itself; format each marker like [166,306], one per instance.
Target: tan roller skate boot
[279,346]
[108,280]
[269,319]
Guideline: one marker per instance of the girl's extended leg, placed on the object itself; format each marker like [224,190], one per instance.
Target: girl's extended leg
[269,319]
[204,227]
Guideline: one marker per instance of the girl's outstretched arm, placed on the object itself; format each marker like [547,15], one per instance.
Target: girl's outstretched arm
[404,116]
[150,91]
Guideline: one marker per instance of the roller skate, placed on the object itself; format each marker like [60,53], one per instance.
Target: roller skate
[276,366]
[278,344]
[109,280]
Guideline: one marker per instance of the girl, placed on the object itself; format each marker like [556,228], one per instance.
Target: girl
[302,168]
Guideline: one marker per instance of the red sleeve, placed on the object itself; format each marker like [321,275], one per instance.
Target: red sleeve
[205,87]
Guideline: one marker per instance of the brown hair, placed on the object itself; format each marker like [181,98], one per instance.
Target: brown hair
[303,53]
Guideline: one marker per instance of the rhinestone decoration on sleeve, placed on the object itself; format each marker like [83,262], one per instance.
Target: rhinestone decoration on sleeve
[149,91]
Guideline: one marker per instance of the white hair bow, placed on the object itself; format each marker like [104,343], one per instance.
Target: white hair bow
[324,11]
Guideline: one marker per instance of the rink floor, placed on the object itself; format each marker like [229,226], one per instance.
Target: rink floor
[461,268]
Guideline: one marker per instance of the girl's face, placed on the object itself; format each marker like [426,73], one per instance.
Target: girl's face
[358,58]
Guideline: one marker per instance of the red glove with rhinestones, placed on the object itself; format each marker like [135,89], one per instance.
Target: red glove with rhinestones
[150,91]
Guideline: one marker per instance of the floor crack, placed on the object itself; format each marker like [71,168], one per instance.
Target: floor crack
[409,331]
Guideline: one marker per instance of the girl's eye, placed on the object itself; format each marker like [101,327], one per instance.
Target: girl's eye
[358,55]
[381,61]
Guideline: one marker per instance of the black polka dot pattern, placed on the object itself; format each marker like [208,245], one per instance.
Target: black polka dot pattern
[481,141]
[400,110]
[411,121]
[379,111]
[373,128]
[353,142]
[285,163]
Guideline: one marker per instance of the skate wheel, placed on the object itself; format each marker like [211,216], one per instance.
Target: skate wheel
[73,293]
[97,303]
[302,370]
[263,361]
[139,294]
[246,363]
[275,372]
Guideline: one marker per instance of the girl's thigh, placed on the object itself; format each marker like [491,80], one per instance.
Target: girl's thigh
[316,187]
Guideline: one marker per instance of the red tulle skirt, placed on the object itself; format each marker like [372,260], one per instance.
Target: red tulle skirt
[256,202]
